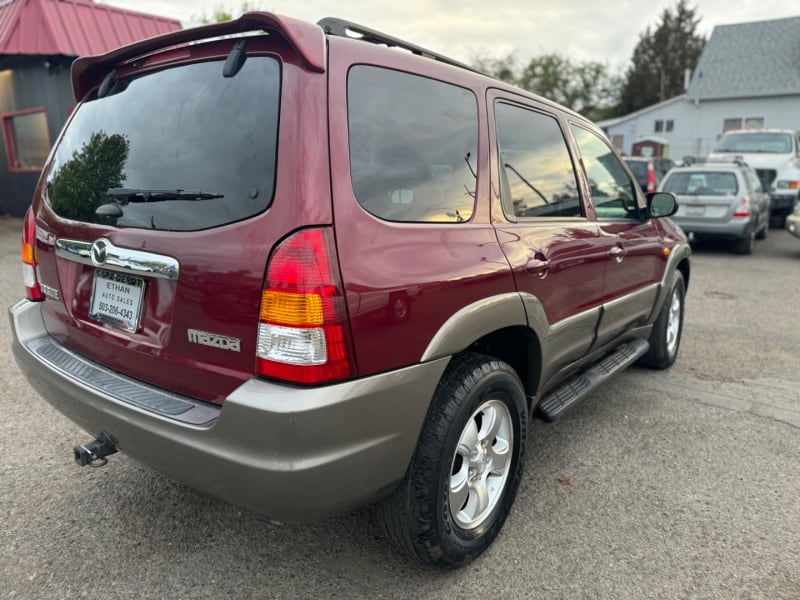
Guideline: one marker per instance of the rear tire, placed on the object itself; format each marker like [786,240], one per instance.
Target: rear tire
[744,245]
[464,475]
[665,339]
[762,233]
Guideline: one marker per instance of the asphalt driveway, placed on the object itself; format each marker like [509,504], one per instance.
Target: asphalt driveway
[677,484]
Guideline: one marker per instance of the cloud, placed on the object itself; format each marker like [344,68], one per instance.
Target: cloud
[580,29]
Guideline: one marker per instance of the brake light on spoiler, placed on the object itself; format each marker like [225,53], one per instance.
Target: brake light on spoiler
[303,329]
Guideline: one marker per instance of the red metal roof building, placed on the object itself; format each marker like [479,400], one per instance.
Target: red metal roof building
[73,27]
[39,39]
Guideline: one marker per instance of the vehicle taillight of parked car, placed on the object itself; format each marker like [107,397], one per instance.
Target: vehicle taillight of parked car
[743,209]
[651,178]
[29,263]
[302,331]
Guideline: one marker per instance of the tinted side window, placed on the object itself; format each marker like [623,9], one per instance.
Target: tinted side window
[538,179]
[613,193]
[413,146]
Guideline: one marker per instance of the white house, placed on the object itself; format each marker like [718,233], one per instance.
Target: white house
[748,76]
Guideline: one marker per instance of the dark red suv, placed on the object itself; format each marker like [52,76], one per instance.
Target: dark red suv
[305,272]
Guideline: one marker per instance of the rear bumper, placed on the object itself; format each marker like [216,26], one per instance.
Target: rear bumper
[729,229]
[294,454]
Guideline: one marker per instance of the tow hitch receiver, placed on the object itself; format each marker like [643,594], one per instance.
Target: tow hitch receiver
[94,453]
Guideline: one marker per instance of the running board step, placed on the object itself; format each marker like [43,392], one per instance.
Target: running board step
[579,386]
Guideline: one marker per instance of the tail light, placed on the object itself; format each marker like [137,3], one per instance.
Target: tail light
[303,328]
[742,209]
[30,266]
[651,178]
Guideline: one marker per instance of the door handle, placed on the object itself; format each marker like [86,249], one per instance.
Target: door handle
[538,265]
[617,253]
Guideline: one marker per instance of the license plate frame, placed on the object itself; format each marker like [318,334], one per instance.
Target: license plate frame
[117,299]
[695,211]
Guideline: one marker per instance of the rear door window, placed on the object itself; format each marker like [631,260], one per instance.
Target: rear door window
[705,183]
[638,168]
[413,146]
[536,172]
[180,149]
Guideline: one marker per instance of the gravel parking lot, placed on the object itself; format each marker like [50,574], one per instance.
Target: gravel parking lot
[677,484]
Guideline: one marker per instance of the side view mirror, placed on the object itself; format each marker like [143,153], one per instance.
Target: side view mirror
[661,204]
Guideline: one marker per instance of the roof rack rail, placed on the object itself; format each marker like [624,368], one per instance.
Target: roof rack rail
[737,160]
[348,29]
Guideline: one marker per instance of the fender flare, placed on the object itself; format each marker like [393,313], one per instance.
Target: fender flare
[680,252]
[474,321]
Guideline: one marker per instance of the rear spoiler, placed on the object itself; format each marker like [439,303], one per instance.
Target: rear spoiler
[307,39]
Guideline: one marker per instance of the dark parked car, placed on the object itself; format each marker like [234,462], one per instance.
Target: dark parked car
[305,272]
[648,171]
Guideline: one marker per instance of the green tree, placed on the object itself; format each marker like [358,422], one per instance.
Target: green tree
[80,184]
[220,13]
[661,57]
[504,69]
[586,87]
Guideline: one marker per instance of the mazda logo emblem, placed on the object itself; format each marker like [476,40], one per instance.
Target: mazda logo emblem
[99,252]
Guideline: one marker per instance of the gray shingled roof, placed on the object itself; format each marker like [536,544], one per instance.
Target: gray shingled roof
[749,59]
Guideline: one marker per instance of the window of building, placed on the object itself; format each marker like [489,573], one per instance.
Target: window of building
[729,124]
[754,122]
[413,146]
[618,141]
[537,176]
[27,139]
[659,126]
[670,125]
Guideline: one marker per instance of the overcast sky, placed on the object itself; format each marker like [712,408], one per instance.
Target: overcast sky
[581,29]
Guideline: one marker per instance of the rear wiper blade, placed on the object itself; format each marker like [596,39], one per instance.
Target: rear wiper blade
[125,195]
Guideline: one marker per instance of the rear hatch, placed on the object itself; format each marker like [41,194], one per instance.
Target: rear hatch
[707,196]
[163,200]
[639,170]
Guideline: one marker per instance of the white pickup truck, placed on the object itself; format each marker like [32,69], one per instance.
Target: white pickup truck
[775,155]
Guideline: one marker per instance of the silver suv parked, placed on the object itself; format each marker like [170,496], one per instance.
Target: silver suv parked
[723,200]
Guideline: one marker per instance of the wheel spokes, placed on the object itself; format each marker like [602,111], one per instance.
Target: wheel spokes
[499,454]
[469,440]
[459,489]
[481,464]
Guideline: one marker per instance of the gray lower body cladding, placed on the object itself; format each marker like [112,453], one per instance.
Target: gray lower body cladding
[294,454]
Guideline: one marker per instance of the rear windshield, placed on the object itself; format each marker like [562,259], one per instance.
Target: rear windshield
[638,168]
[770,143]
[181,149]
[705,183]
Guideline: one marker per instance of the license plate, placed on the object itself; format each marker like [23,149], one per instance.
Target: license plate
[695,211]
[117,299]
